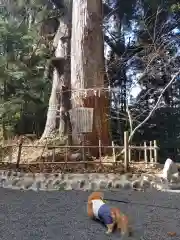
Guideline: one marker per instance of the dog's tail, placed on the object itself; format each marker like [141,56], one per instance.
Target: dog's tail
[115,212]
[122,221]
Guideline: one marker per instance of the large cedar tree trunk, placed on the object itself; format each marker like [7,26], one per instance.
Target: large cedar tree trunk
[59,102]
[87,69]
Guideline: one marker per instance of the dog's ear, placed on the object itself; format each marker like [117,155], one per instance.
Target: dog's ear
[96,195]
[90,210]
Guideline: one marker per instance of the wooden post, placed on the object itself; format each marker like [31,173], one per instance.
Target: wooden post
[114,153]
[65,156]
[155,151]
[139,154]
[19,152]
[10,155]
[83,150]
[151,155]
[126,151]
[100,153]
[129,154]
[2,156]
[145,154]
[53,153]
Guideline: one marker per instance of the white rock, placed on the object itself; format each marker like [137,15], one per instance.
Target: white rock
[157,186]
[169,169]
[126,185]
[136,184]
[170,190]
[117,184]
[174,186]
[148,177]
[175,178]
[145,184]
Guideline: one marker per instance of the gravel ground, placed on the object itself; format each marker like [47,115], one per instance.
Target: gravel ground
[62,215]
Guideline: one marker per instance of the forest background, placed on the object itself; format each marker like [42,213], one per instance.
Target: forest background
[141,41]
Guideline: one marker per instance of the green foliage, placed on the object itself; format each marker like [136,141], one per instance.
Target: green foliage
[175,7]
[24,89]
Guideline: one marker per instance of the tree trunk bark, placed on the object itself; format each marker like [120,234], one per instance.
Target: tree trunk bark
[50,126]
[59,103]
[87,69]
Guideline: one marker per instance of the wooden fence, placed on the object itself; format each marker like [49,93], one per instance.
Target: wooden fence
[148,152]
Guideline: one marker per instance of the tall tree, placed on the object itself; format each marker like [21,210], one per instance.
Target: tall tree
[87,67]
[59,102]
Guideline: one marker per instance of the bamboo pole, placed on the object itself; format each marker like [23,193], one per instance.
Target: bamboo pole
[10,155]
[3,147]
[66,158]
[69,146]
[139,153]
[145,154]
[129,154]
[151,152]
[114,153]
[155,151]
[78,146]
[19,152]
[100,152]
[83,149]
[66,154]
[53,153]
[56,163]
[126,151]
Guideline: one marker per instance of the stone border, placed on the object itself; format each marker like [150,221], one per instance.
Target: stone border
[85,182]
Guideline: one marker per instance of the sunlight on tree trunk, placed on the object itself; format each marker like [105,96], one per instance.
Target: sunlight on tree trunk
[50,126]
[87,67]
[61,79]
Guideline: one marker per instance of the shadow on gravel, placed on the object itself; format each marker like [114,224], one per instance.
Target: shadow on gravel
[62,216]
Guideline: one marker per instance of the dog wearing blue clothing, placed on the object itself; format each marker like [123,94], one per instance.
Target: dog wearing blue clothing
[111,217]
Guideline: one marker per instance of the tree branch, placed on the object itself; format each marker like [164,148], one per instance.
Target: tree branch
[130,118]
[154,108]
[107,10]
[113,46]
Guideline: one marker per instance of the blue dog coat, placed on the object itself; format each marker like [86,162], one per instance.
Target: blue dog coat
[102,211]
